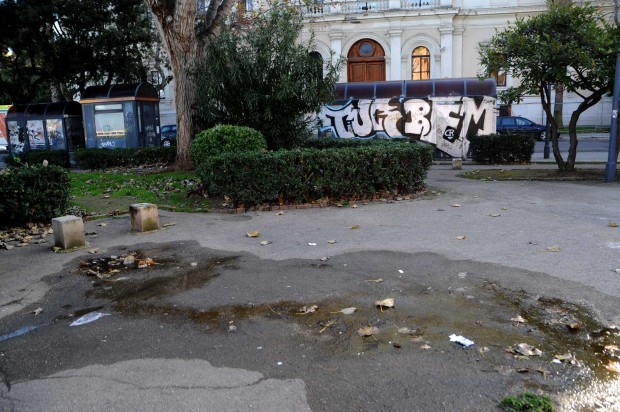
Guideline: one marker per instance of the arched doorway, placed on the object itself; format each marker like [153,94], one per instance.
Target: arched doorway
[366,62]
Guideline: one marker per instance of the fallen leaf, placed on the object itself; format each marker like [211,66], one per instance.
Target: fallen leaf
[327,325]
[102,224]
[613,367]
[385,303]
[565,357]
[555,248]
[406,331]
[169,224]
[37,311]
[338,204]
[279,213]
[504,208]
[396,345]
[368,331]
[145,263]
[254,233]
[425,346]
[265,242]
[526,349]
[346,311]
[354,227]
[495,215]
[307,309]
[456,205]
[518,319]
[613,224]
[56,249]
[93,251]
[483,350]
[375,280]
[462,237]
[331,242]
[354,206]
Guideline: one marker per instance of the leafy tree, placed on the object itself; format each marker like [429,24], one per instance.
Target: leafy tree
[70,44]
[569,45]
[262,77]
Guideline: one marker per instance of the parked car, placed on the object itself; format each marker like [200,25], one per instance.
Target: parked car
[4,145]
[168,135]
[517,124]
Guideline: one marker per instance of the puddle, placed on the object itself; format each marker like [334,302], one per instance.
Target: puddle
[574,344]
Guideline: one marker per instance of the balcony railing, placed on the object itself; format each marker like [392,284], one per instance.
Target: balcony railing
[311,8]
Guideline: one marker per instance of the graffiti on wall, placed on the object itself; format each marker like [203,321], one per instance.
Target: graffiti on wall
[445,122]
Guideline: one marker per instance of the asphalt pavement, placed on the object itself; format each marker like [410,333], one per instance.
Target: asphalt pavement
[225,322]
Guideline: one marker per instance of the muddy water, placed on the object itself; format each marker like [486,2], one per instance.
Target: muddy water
[495,318]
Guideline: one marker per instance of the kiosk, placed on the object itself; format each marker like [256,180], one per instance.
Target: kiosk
[121,115]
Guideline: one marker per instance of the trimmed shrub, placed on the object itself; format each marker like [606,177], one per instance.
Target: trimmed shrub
[33,194]
[225,139]
[502,148]
[335,142]
[306,175]
[134,156]
[53,157]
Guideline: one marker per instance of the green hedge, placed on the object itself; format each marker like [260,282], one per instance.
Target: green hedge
[225,138]
[502,148]
[135,156]
[36,157]
[331,142]
[306,175]
[33,194]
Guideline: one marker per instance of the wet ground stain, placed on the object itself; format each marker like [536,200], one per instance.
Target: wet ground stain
[573,343]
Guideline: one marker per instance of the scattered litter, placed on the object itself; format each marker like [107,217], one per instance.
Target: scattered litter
[324,259]
[145,263]
[518,319]
[346,311]
[331,242]
[504,208]
[368,331]
[129,260]
[307,309]
[406,331]
[462,275]
[102,224]
[56,249]
[462,237]
[461,340]
[37,311]
[169,224]
[555,248]
[425,346]
[613,224]
[259,347]
[88,318]
[354,227]
[311,244]
[495,215]
[279,363]
[396,345]
[483,350]
[617,270]
[18,332]
[279,213]
[232,328]
[567,357]
[254,233]
[456,205]
[193,264]
[93,251]
[265,242]
[385,303]
[327,325]
[379,280]
[400,271]
[525,349]
[354,206]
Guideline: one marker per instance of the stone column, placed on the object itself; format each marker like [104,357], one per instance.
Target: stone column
[395,54]
[446,51]
[457,54]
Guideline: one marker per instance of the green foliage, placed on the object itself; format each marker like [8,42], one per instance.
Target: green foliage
[526,402]
[71,44]
[223,139]
[53,157]
[571,45]
[329,142]
[135,156]
[33,194]
[502,148]
[262,77]
[306,175]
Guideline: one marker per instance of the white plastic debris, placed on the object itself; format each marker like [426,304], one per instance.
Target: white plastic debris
[279,363]
[401,271]
[88,318]
[311,244]
[462,340]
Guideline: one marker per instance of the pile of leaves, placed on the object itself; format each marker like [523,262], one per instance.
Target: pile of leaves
[106,268]
[30,234]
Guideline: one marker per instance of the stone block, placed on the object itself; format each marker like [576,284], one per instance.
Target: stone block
[144,217]
[457,164]
[68,232]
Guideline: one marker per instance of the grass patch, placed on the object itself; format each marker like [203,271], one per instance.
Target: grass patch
[552,175]
[526,402]
[106,191]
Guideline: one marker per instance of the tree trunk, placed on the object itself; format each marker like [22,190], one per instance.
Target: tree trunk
[175,23]
[558,106]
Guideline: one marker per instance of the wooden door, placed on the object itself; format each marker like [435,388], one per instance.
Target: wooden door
[366,62]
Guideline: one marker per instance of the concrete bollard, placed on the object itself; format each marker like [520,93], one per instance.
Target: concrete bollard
[457,164]
[68,232]
[144,217]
